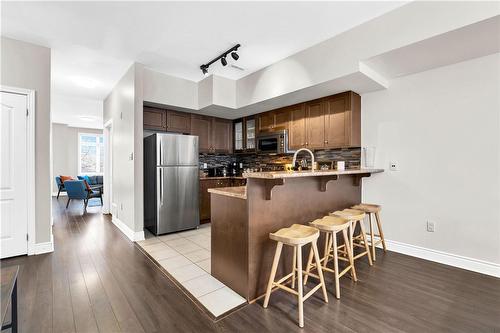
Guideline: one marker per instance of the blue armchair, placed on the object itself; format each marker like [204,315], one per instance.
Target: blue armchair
[77,190]
[60,186]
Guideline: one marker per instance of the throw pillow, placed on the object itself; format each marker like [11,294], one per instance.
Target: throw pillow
[87,178]
[65,178]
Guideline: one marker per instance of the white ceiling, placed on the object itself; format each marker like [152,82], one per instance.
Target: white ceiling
[93,43]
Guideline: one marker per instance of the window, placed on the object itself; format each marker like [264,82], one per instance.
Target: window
[91,149]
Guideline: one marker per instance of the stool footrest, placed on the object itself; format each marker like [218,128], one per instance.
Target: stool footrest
[284,278]
[290,290]
[306,296]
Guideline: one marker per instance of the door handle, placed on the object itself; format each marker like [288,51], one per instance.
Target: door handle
[161,154]
[161,187]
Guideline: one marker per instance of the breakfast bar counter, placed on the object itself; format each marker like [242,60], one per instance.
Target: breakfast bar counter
[241,250]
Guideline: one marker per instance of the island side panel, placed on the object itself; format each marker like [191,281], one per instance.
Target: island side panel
[298,200]
[229,242]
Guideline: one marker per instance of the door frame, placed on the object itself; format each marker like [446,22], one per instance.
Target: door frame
[108,167]
[30,161]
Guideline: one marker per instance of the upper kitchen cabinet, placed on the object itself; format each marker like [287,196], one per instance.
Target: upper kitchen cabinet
[265,121]
[222,136]
[155,119]
[315,125]
[297,127]
[244,135]
[202,127]
[281,119]
[343,120]
[275,120]
[179,122]
[215,134]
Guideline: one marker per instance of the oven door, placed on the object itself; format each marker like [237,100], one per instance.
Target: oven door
[268,144]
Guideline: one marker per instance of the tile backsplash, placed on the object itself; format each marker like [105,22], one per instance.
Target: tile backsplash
[352,157]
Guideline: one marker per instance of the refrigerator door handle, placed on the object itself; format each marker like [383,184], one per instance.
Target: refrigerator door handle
[161,154]
[161,186]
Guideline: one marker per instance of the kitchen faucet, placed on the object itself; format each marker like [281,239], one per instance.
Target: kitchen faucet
[298,151]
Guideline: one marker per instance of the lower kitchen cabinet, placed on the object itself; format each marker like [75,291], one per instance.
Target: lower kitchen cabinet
[205,184]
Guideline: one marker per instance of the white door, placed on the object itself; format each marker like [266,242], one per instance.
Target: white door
[13,192]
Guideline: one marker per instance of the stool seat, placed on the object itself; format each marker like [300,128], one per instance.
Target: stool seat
[350,214]
[331,223]
[368,208]
[296,234]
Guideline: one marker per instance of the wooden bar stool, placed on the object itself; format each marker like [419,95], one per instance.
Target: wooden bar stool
[355,217]
[297,236]
[372,209]
[331,225]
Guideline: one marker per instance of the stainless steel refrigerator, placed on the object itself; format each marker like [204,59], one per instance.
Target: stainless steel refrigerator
[171,183]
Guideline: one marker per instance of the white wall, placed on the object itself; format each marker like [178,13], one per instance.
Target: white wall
[65,150]
[124,107]
[443,128]
[26,65]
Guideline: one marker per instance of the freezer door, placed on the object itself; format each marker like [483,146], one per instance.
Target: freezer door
[177,197]
[175,149]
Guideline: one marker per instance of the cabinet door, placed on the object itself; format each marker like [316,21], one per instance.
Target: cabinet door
[222,141]
[178,122]
[337,121]
[205,198]
[265,121]
[155,119]
[315,124]
[281,119]
[202,127]
[297,131]
[239,138]
[250,134]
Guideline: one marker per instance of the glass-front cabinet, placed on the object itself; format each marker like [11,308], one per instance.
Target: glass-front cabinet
[244,135]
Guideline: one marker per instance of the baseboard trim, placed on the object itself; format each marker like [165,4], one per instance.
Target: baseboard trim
[471,264]
[47,247]
[125,229]
[62,194]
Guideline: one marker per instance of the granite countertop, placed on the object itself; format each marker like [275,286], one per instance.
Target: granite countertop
[239,192]
[307,173]
[227,177]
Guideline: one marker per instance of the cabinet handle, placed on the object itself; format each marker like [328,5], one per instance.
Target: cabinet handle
[307,144]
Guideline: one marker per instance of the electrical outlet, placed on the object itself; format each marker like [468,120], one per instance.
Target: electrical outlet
[394,166]
[430,226]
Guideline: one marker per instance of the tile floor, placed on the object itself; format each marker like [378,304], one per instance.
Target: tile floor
[186,257]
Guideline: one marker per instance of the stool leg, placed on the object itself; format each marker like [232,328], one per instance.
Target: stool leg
[308,266]
[326,253]
[336,263]
[320,271]
[294,265]
[367,248]
[352,226]
[276,260]
[300,286]
[350,256]
[380,232]
[372,239]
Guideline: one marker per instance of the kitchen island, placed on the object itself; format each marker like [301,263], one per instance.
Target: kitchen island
[242,218]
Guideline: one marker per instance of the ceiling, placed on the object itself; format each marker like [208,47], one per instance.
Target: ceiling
[93,43]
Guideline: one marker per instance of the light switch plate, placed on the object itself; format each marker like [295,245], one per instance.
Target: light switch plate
[394,166]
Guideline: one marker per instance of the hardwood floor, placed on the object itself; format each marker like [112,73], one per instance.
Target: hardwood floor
[97,280]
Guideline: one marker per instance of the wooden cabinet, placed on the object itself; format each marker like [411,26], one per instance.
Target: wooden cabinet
[281,119]
[155,119]
[274,120]
[265,121]
[297,127]
[215,134]
[315,125]
[222,135]
[205,184]
[343,120]
[202,127]
[179,122]
[244,135]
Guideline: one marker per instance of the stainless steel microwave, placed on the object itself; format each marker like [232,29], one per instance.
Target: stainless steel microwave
[273,143]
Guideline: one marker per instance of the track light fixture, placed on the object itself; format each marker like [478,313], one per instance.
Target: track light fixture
[222,57]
